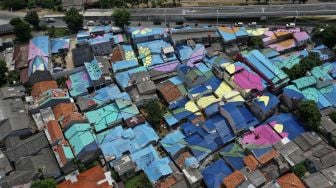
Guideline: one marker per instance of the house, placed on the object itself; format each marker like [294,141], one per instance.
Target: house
[290,180]
[214,174]
[81,55]
[327,125]
[63,110]
[111,114]
[82,141]
[44,161]
[101,45]
[142,34]
[174,143]
[14,119]
[191,53]
[234,179]
[173,181]
[59,45]
[132,140]
[326,54]
[301,38]
[274,76]
[5,166]
[41,87]
[38,54]
[329,173]
[199,35]
[291,96]
[77,4]
[17,148]
[64,156]
[149,160]
[125,167]
[101,30]
[317,180]
[231,35]
[290,151]
[171,90]
[256,178]
[191,76]
[234,155]
[16,178]
[124,65]
[54,132]
[20,57]
[308,140]
[193,176]
[238,116]
[93,177]
[264,106]
[163,71]
[322,156]
[12,92]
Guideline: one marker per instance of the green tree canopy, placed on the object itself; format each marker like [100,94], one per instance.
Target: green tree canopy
[74,20]
[306,64]
[15,4]
[33,18]
[256,42]
[46,183]
[21,29]
[326,34]
[121,17]
[3,70]
[300,170]
[154,112]
[309,114]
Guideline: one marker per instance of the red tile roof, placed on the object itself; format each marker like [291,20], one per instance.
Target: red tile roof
[135,120]
[72,118]
[64,109]
[234,179]
[166,183]
[41,87]
[59,149]
[290,180]
[54,131]
[251,162]
[88,179]
[181,158]
[117,54]
[169,92]
[268,156]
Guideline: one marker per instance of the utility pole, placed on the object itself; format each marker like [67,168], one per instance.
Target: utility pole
[217,17]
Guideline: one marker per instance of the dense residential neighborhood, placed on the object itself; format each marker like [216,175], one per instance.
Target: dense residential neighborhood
[219,105]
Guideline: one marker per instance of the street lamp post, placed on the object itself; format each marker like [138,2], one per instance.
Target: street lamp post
[217,16]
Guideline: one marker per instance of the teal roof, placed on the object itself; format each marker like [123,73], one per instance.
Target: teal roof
[80,135]
[68,152]
[93,70]
[304,82]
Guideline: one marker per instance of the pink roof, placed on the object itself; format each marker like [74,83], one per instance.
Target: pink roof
[283,45]
[247,80]
[262,135]
[301,36]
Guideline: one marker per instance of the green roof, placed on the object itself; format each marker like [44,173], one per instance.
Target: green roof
[304,82]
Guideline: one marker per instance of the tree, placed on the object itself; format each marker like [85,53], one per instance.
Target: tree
[309,114]
[74,20]
[61,82]
[22,30]
[3,70]
[15,4]
[13,77]
[33,18]
[300,170]
[154,112]
[306,64]
[46,183]
[256,42]
[326,34]
[121,17]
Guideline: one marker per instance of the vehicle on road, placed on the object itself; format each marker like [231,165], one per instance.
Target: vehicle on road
[290,25]
[50,20]
[90,23]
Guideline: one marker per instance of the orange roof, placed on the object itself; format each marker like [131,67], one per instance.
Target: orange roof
[234,179]
[166,183]
[268,156]
[199,119]
[72,118]
[64,109]
[117,54]
[88,179]
[169,92]
[54,131]
[290,180]
[41,87]
[59,149]
[251,162]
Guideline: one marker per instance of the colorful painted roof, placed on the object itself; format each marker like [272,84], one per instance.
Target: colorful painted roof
[94,70]
[58,44]
[138,32]
[191,55]
[78,83]
[79,136]
[234,155]
[301,36]
[173,142]
[266,102]
[39,46]
[283,45]
[123,78]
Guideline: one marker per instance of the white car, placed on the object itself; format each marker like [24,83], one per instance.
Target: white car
[50,20]
[252,24]
[239,24]
[290,25]
[91,23]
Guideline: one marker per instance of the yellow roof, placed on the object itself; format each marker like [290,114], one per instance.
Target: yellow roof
[256,32]
[192,107]
[264,99]
[237,98]
[206,101]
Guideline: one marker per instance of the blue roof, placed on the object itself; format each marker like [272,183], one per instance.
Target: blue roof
[125,64]
[233,154]
[293,93]
[116,141]
[265,106]
[291,126]
[107,94]
[145,156]
[93,70]
[100,28]
[138,32]
[241,116]
[157,169]
[191,162]
[214,174]
[188,53]
[99,40]
[173,142]
[58,44]
[123,78]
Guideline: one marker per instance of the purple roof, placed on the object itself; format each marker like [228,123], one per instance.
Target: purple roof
[301,36]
